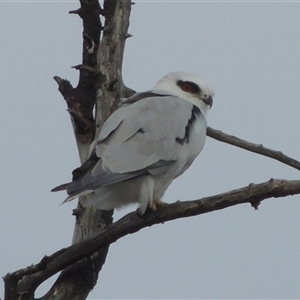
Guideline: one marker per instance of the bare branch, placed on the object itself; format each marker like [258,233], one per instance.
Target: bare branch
[75,11]
[253,194]
[259,149]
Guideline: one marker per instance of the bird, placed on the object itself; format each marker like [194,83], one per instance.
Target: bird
[151,139]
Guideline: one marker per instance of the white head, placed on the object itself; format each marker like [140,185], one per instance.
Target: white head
[187,86]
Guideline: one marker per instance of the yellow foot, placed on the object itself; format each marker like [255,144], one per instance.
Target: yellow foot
[155,204]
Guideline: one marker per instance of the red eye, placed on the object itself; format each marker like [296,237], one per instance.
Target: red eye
[187,87]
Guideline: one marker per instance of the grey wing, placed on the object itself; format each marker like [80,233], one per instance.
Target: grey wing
[146,133]
[136,140]
[89,182]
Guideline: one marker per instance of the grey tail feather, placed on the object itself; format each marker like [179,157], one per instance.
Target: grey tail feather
[61,187]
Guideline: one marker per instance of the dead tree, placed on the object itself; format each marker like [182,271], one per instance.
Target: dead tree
[100,85]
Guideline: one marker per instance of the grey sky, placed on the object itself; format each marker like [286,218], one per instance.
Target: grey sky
[249,54]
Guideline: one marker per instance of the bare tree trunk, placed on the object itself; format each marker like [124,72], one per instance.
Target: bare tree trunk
[101,80]
[100,83]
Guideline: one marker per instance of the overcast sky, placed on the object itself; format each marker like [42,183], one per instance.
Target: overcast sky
[249,54]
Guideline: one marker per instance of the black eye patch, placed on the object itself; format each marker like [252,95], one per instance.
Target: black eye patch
[189,87]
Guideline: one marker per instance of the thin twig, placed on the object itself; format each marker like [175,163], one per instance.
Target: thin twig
[259,149]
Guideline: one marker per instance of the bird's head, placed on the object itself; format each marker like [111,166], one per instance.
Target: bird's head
[188,87]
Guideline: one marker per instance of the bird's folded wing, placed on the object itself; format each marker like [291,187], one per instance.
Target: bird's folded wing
[142,134]
[136,140]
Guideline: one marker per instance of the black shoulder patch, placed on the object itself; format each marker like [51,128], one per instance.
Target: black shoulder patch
[139,96]
[186,139]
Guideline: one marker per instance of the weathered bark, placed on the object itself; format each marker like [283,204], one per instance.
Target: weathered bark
[110,59]
[100,83]
[253,194]
[256,148]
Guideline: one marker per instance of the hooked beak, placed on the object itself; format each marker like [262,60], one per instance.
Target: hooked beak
[208,100]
